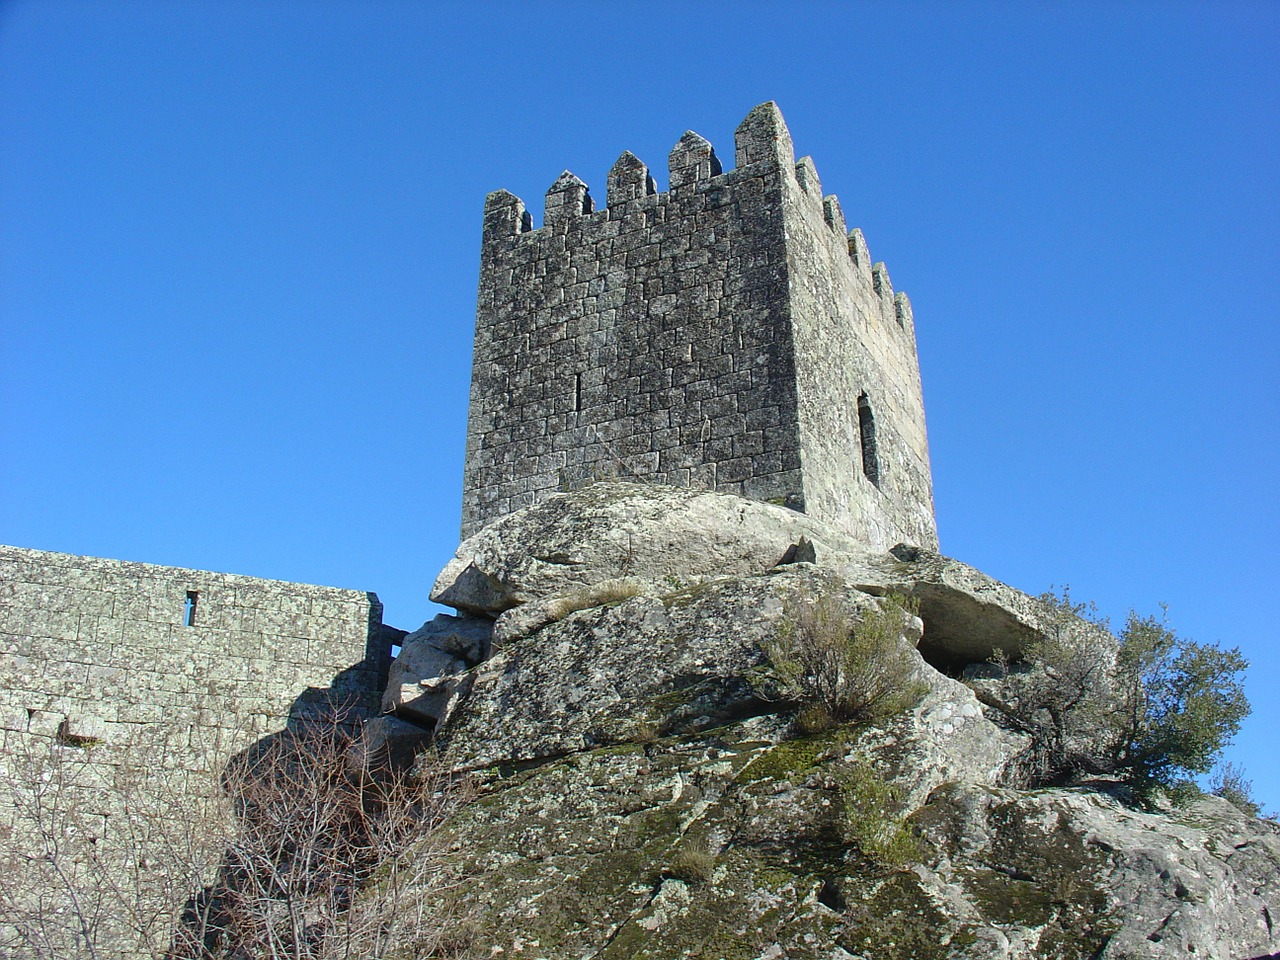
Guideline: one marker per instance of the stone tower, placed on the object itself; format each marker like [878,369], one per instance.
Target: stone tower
[727,334]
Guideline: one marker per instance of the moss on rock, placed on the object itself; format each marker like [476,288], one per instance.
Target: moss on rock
[792,759]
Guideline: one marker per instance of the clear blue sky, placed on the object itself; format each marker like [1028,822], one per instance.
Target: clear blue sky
[239,249]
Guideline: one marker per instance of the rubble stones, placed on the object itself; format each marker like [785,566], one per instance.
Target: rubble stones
[388,742]
[466,638]
[442,649]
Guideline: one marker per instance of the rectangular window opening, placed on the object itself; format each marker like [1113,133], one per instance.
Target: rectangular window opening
[189,614]
[867,436]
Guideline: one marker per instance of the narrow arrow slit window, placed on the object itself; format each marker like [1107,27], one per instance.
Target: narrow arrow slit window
[867,436]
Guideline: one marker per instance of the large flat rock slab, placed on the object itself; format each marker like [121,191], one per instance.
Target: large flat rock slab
[687,662]
[655,540]
[666,536]
[969,617]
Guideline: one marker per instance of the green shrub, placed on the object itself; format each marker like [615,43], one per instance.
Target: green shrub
[1181,702]
[838,673]
[645,732]
[870,818]
[1149,706]
[814,718]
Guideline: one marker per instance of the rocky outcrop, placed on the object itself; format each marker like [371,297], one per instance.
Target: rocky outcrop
[1199,881]
[646,538]
[735,846]
[690,661]
[645,793]
[424,678]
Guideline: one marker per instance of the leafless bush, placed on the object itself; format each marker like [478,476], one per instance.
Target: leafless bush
[102,846]
[316,868]
[1229,782]
[836,672]
[294,853]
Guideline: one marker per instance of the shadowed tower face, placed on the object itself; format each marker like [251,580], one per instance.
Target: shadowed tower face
[728,334]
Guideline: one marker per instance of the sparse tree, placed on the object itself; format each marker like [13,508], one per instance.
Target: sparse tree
[1181,703]
[1064,697]
[1229,783]
[1149,706]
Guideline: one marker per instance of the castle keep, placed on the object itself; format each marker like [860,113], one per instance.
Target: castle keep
[727,334]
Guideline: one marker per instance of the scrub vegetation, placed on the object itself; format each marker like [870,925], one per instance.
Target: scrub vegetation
[1153,708]
[835,671]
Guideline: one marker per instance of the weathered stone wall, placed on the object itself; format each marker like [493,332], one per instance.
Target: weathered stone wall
[104,669]
[717,335]
[855,346]
[102,644]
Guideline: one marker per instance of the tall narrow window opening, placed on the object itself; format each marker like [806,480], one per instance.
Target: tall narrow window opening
[577,393]
[189,614]
[867,437]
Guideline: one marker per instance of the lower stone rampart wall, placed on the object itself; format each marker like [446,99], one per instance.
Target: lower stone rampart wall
[115,670]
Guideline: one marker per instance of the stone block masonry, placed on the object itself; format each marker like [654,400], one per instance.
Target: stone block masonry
[119,666]
[727,334]
[104,649]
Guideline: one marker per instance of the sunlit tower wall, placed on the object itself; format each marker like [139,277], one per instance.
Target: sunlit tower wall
[727,334]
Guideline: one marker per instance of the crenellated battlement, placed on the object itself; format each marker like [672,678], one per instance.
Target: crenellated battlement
[730,332]
[629,179]
[762,138]
[692,159]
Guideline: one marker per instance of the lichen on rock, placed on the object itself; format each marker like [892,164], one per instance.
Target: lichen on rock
[613,730]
